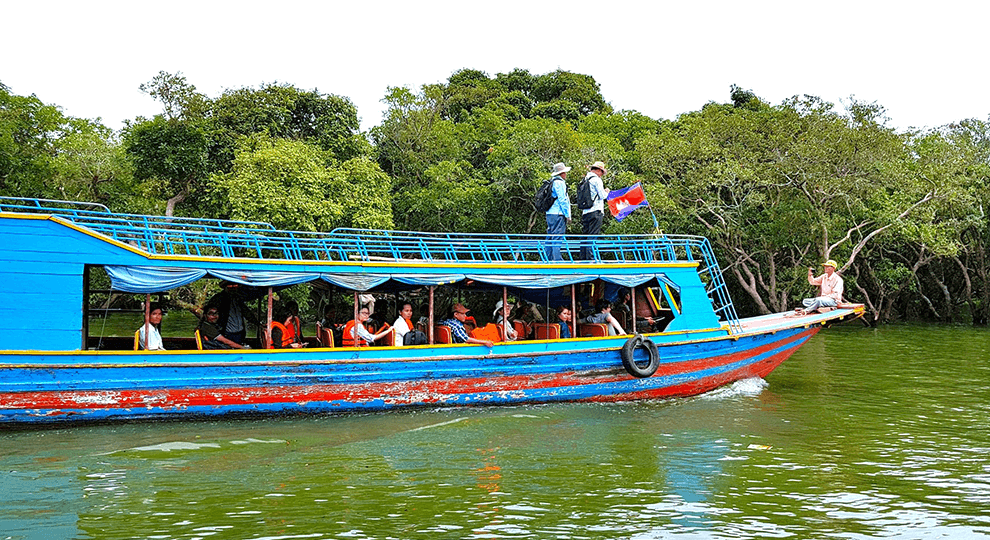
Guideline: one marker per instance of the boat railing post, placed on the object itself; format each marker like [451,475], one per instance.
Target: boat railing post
[147,319]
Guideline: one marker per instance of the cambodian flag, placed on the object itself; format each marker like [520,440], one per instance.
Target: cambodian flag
[623,201]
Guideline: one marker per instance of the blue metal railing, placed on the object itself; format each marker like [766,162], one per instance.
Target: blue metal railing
[161,235]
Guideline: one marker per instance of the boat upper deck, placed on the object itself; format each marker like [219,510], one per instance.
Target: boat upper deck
[192,239]
[198,237]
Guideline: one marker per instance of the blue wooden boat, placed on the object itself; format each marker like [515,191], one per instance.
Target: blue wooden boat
[50,372]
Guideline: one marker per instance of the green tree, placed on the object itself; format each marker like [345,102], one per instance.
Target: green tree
[179,98]
[91,165]
[414,135]
[581,90]
[780,188]
[298,186]
[280,110]
[171,155]
[29,131]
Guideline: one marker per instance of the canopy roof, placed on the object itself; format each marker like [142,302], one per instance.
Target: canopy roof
[149,279]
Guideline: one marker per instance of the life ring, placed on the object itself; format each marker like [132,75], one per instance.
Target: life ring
[629,349]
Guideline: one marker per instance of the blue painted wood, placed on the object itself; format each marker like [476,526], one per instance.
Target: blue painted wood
[41,268]
[482,395]
[42,304]
[152,371]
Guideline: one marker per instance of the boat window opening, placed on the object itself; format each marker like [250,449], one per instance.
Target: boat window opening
[660,301]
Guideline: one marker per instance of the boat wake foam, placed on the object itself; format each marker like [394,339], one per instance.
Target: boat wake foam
[752,386]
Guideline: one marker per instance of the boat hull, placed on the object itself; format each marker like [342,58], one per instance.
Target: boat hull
[38,387]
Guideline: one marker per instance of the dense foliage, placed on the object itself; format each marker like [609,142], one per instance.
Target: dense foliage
[776,188]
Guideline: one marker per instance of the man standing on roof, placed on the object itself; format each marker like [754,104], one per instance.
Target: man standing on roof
[591,218]
[559,214]
[831,288]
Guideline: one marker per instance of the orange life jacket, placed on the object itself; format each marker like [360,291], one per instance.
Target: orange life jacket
[288,337]
[489,332]
[347,340]
[295,330]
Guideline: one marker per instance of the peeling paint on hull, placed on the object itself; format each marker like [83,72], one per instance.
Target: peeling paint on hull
[104,389]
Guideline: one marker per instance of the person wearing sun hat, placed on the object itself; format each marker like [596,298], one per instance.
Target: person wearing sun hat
[591,218]
[830,289]
[458,314]
[559,215]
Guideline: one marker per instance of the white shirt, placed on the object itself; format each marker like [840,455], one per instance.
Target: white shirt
[598,194]
[154,339]
[831,287]
[401,329]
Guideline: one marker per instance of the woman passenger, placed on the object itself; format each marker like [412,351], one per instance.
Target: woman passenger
[355,333]
[283,331]
[153,323]
[403,324]
[564,320]
[500,315]
[292,323]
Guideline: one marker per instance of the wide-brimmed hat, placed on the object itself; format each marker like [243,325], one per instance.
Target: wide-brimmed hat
[830,262]
[560,168]
[600,166]
[498,308]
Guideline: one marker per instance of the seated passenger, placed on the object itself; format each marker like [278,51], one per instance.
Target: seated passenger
[153,322]
[501,315]
[603,315]
[293,324]
[233,312]
[403,324]
[283,331]
[357,335]
[209,331]
[527,312]
[455,322]
[564,320]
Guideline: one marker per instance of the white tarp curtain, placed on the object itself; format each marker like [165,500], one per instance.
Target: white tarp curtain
[146,279]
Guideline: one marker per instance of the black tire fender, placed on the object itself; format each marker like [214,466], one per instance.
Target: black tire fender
[629,362]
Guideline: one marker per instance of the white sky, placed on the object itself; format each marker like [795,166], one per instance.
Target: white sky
[925,62]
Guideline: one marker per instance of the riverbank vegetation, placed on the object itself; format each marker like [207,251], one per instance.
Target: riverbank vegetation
[775,187]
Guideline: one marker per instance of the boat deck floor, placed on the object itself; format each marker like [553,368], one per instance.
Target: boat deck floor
[790,319]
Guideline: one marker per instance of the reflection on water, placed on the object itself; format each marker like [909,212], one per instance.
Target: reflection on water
[862,434]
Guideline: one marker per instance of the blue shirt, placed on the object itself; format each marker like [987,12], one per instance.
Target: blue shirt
[456,330]
[561,203]
[565,330]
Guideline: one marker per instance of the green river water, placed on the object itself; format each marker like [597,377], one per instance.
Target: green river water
[862,434]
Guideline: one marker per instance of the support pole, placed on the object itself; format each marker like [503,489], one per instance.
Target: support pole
[429,324]
[632,299]
[268,319]
[147,319]
[505,318]
[574,313]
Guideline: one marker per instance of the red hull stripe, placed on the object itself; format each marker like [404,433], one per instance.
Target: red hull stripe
[408,392]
